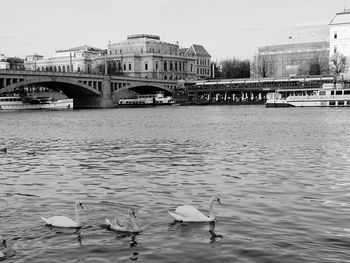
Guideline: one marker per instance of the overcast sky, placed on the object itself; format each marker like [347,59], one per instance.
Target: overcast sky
[226,28]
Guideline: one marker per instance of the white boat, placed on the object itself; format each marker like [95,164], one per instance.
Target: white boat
[149,100]
[38,103]
[329,95]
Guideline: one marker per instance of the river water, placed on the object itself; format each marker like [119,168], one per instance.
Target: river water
[283,176]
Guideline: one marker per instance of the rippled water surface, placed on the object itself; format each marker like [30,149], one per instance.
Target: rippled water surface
[283,176]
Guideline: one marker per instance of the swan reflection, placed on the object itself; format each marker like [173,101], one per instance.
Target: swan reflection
[213,235]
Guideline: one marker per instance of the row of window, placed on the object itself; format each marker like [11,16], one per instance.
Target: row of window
[60,69]
[203,62]
[10,99]
[202,71]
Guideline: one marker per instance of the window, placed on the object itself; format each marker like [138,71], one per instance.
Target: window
[335,35]
[146,66]
[156,65]
[346,92]
[191,67]
[165,66]
[335,49]
[129,66]
[339,92]
[340,102]
[124,66]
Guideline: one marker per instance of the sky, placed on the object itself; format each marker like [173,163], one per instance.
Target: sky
[226,28]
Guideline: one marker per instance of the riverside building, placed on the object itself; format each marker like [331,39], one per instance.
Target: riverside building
[4,64]
[339,37]
[288,60]
[146,56]
[292,59]
[78,59]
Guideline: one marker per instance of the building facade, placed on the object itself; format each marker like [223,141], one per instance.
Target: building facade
[79,60]
[203,63]
[146,56]
[289,60]
[339,37]
[4,64]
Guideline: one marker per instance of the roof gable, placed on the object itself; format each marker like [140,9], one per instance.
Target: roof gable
[197,50]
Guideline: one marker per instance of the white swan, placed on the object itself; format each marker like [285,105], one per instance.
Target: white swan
[187,213]
[124,225]
[63,221]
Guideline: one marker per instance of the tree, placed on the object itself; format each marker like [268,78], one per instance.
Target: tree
[235,68]
[263,67]
[113,68]
[316,66]
[338,64]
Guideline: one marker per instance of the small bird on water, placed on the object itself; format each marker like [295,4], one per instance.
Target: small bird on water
[31,152]
[3,150]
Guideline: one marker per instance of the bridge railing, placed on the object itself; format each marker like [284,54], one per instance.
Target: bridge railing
[81,75]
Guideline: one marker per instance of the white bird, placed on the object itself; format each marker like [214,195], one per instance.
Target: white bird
[124,225]
[187,213]
[63,221]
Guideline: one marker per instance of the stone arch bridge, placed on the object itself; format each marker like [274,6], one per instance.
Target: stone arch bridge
[87,90]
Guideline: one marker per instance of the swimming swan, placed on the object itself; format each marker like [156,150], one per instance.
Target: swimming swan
[124,225]
[187,213]
[63,221]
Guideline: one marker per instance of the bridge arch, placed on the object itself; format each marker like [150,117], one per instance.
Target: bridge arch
[148,88]
[71,88]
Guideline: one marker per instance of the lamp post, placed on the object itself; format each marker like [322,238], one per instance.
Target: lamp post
[106,71]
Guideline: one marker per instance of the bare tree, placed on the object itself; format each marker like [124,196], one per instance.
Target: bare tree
[263,67]
[316,66]
[235,68]
[337,64]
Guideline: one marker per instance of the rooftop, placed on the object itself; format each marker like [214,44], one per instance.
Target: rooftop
[341,18]
[143,36]
[199,50]
[80,48]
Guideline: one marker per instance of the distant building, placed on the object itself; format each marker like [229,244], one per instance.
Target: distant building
[78,59]
[146,56]
[31,61]
[4,64]
[203,63]
[339,36]
[16,63]
[290,59]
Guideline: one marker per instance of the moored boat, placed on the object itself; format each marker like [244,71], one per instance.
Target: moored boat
[39,103]
[147,100]
[329,95]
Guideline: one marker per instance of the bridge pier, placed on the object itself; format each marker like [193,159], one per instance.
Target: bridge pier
[106,98]
[102,101]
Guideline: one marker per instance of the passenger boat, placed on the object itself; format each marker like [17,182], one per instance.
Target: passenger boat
[39,103]
[148,100]
[329,95]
